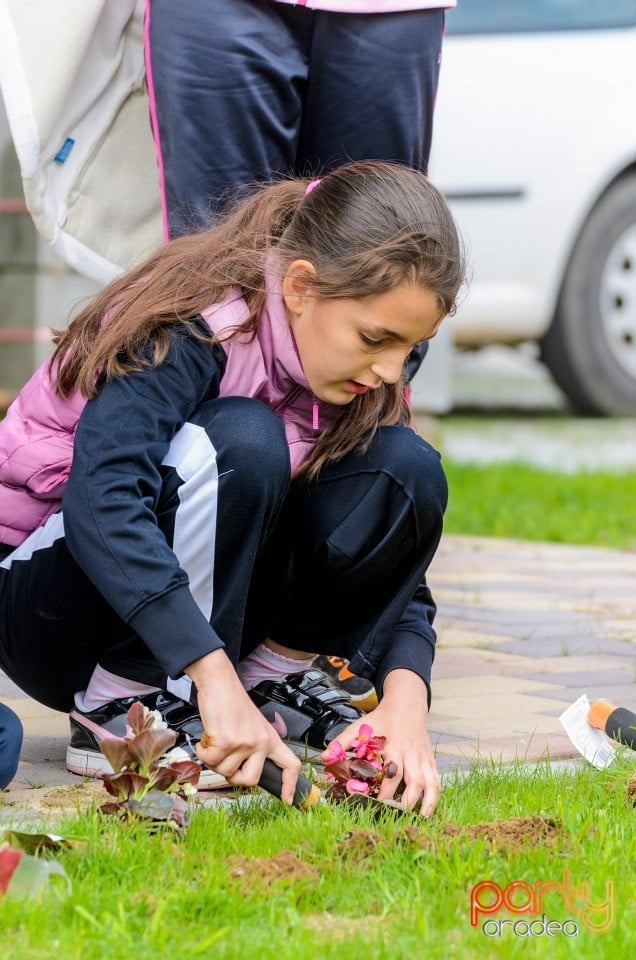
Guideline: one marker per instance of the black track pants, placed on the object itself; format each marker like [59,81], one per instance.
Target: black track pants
[336,566]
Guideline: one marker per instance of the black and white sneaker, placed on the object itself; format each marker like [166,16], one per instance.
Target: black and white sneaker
[84,757]
[304,710]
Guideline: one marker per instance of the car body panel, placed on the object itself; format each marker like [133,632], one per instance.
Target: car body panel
[530,130]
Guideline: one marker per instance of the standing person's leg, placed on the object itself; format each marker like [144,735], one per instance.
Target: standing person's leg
[226,83]
[372,86]
[364,535]
[10,745]
[371,94]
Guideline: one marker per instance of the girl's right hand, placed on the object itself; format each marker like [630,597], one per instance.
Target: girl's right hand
[239,738]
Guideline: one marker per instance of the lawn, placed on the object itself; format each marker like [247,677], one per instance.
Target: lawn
[344,885]
[262,881]
[528,503]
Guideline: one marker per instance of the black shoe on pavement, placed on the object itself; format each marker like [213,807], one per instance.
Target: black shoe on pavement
[361,691]
[304,710]
[84,757]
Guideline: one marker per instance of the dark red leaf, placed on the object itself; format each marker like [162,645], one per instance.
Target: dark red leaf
[116,752]
[363,770]
[124,784]
[148,746]
[111,807]
[336,791]
[189,771]
[341,770]
[136,717]
[163,777]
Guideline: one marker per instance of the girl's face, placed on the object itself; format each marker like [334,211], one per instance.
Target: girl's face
[349,346]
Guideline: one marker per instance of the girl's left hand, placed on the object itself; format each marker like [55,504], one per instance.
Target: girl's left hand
[401,717]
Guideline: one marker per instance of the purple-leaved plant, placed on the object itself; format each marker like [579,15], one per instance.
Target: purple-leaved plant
[150,781]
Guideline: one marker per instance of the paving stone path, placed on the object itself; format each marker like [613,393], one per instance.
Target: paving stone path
[524,630]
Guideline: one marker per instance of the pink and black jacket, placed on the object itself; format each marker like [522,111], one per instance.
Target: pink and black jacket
[122,440]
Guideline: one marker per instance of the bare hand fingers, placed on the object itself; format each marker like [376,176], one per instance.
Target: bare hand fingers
[432,793]
[230,766]
[390,785]
[422,786]
[423,789]
[249,773]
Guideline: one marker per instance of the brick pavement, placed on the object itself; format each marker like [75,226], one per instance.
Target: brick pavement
[524,629]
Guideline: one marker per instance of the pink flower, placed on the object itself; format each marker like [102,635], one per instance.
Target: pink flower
[359,745]
[357,786]
[334,753]
[365,745]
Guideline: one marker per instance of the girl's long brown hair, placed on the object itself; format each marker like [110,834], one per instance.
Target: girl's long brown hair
[366,227]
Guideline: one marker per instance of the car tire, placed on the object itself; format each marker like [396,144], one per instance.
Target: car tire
[590,347]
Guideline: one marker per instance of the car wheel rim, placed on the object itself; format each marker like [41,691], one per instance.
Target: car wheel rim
[618,301]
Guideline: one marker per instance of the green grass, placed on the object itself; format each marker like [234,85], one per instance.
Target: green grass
[528,503]
[142,896]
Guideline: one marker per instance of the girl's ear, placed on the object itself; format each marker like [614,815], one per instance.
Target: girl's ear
[297,285]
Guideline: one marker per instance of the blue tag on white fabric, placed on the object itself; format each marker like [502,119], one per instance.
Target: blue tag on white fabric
[64,150]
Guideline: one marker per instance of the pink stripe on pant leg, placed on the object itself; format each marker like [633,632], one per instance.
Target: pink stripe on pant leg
[154,120]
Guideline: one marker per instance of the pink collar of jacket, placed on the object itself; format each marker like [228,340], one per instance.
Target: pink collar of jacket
[269,368]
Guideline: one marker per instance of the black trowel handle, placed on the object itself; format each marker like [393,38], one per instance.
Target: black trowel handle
[306,795]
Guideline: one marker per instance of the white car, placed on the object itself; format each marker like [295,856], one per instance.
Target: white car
[535,147]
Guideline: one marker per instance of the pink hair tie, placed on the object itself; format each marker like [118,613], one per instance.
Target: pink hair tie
[312,186]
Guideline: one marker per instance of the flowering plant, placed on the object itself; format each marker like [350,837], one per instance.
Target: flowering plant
[361,770]
[147,782]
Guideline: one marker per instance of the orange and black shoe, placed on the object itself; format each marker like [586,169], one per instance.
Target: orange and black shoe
[361,692]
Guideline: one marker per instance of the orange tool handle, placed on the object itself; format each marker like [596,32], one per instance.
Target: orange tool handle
[617,722]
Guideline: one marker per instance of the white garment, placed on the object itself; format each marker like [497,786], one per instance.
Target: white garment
[73,70]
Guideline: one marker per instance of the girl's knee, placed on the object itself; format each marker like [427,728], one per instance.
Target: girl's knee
[417,466]
[249,436]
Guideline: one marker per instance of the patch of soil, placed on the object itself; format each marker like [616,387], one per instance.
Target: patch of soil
[73,795]
[631,789]
[361,845]
[267,871]
[518,833]
[45,799]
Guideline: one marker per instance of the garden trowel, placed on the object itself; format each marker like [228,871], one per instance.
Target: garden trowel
[308,794]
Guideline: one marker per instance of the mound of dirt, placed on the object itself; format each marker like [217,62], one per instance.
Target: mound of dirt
[286,867]
[361,845]
[518,833]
